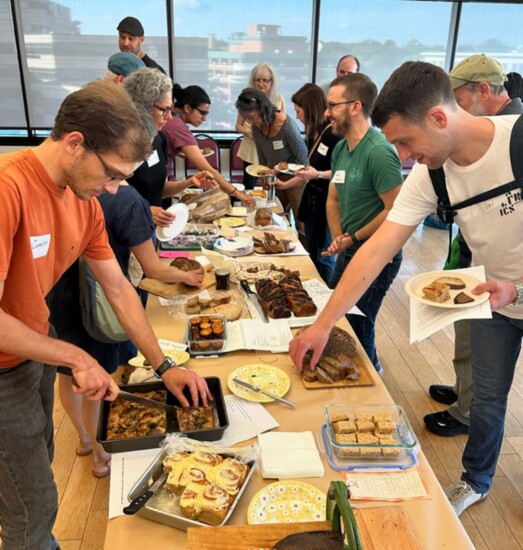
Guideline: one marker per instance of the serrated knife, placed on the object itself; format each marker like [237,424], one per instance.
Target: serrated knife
[255,300]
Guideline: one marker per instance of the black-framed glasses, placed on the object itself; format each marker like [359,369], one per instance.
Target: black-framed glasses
[204,114]
[165,112]
[105,167]
[263,80]
[331,106]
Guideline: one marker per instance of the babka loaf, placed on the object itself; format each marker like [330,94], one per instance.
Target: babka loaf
[300,302]
[273,300]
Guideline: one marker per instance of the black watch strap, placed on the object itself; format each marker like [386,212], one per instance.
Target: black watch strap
[355,239]
[167,364]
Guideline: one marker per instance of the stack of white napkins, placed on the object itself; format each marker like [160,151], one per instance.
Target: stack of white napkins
[288,455]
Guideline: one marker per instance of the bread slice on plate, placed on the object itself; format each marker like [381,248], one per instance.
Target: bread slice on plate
[455,283]
[436,292]
[463,298]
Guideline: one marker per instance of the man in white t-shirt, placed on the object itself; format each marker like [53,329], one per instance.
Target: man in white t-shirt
[418,113]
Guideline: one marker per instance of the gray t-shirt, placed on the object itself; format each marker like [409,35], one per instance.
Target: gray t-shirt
[287,146]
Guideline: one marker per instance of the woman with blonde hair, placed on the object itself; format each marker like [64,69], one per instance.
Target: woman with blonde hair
[264,79]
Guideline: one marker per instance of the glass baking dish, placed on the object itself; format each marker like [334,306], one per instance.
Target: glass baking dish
[375,436]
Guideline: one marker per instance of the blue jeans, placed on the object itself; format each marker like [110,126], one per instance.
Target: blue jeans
[324,264]
[369,303]
[495,345]
[28,495]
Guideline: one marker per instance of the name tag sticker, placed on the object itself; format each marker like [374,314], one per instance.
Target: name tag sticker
[278,144]
[153,159]
[339,176]
[322,149]
[40,245]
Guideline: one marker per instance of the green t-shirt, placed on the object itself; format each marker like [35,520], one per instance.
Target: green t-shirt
[361,175]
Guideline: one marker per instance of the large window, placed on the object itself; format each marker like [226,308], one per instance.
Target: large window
[382,34]
[493,30]
[12,108]
[63,44]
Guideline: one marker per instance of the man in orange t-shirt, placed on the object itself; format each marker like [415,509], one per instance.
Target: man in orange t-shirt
[46,222]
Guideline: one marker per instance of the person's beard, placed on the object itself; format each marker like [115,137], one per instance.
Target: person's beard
[342,126]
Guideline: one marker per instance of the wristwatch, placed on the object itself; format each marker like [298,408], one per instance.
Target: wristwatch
[355,239]
[167,364]
[320,175]
[519,291]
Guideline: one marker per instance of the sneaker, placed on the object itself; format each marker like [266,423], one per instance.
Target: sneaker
[443,394]
[379,368]
[443,423]
[462,495]
[432,220]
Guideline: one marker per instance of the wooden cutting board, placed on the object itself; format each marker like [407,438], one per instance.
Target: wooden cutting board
[166,290]
[365,379]
[384,528]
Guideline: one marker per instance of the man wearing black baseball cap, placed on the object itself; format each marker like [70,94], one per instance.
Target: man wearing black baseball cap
[130,39]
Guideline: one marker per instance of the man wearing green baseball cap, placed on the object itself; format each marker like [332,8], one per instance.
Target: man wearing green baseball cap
[478,84]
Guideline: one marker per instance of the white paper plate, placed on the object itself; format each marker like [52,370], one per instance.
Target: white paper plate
[237,246]
[414,288]
[254,169]
[239,186]
[181,211]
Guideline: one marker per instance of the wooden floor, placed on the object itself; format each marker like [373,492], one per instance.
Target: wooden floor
[497,523]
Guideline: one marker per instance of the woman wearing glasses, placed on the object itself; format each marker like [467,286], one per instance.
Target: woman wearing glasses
[191,106]
[262,78]
[310,105]
[277,139]
[151,92]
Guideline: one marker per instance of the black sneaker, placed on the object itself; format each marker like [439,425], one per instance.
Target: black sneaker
[443,394]
[442,423]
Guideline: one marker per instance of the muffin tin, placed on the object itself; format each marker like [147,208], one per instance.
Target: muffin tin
[403,434]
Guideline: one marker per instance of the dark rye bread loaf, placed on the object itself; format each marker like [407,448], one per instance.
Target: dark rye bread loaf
[335,362]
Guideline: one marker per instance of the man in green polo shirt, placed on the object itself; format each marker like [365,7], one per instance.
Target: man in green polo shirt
[366,178]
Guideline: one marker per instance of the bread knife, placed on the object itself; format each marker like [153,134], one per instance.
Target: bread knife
[255,300]
[139,502]
[259,390]
[128,396]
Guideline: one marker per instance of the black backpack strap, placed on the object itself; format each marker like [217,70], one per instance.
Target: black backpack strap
[516,149]
[444,210]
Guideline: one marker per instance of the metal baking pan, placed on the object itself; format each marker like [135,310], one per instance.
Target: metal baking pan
[158,508]
[153,441]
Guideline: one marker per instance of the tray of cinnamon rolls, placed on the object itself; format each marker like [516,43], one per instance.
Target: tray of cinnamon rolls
[202,488]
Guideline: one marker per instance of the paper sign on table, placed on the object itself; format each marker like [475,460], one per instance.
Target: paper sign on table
[246,420]
[425,320]
[126,470]
[253,334]
[390,486]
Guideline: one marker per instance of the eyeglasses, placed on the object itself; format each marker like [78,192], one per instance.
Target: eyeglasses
[204,114]
[331,106]
[105,167]
[263,80]
[165,112]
